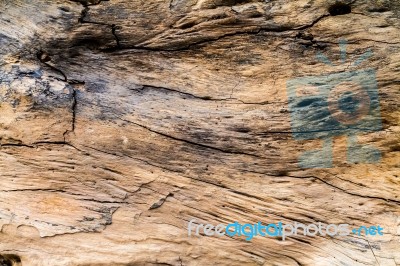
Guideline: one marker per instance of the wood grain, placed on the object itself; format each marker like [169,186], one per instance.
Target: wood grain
[120,121]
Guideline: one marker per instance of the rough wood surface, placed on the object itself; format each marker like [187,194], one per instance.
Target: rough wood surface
[120,121]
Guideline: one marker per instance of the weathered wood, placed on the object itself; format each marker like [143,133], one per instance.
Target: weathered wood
[120,121]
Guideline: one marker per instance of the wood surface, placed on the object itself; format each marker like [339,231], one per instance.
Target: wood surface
[120,121]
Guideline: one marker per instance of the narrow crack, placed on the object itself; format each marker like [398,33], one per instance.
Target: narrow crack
[373,253]
[312,24]
[74,104]
[15,145]
[73,118]
[87,3]
[44,58]
[113,31]
[39,143]
[159,203]
[112,26]
[205,98]
[191,142]
[103,201]
[84,13]
[352,193]
[33,190]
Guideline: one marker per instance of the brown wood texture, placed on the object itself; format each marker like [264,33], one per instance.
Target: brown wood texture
[120,121]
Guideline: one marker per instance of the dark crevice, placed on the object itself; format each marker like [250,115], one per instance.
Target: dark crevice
[338,9]
[73,112]
[87,3]
[95,3]
[159,203]
[45,58]
[16,145]
[312,24]
[113,31]
[84,14]
[102,201]
[74,103]
[294,259]
[379,9]
[233,2]
[10,260]
[94,42]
